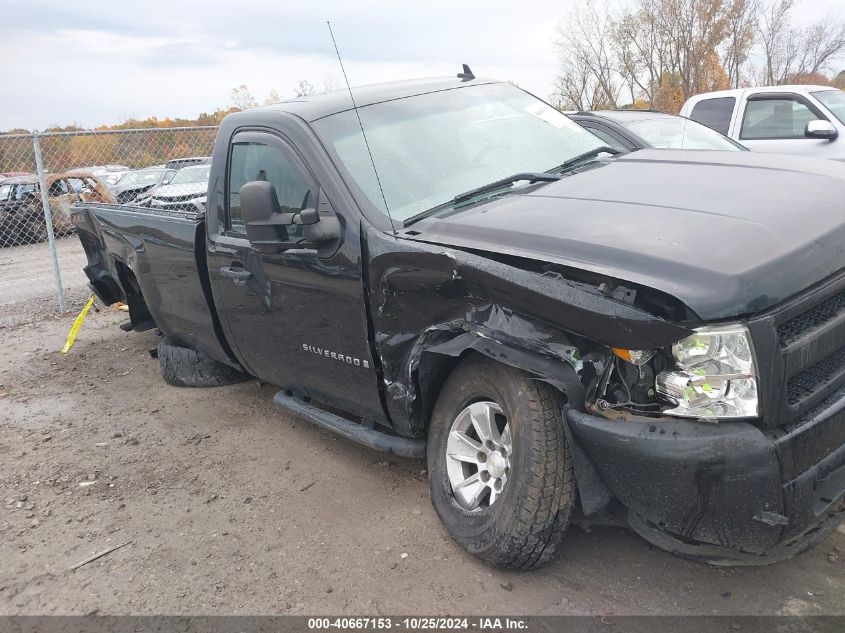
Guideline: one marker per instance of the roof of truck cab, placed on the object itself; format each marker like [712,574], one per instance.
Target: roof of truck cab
[315,107]
[761,89]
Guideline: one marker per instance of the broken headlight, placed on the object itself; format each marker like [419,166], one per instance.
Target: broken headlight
[715,375]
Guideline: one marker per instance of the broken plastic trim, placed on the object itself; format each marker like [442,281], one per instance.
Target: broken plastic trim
[430,305]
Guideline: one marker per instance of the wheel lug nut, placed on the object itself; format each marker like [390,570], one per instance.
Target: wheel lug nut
[485,476]
[482,456]
[490,445]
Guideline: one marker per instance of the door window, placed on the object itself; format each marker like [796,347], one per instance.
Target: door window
[21,191]
[714,113]
[776,118]
[58,188]
[257,161]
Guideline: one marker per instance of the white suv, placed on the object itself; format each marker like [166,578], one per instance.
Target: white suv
[806,120]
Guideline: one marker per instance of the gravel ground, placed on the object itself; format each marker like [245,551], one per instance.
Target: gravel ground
[28,284]
[234,508]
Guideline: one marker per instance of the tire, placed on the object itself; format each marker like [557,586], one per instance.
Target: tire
[16,230]
[524,525]
[37,231]
[184,367]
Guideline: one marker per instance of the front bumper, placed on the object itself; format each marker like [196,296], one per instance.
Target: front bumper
[718,492]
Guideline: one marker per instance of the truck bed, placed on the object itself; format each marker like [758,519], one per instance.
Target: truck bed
[153,260]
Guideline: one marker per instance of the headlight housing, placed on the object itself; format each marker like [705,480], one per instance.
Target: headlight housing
[715,375]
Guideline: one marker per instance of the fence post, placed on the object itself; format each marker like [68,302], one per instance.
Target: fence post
[48,217]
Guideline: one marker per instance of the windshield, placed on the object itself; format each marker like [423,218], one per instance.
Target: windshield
[188,175]
[833,100]
[141,177]
[675,132]
[431,147]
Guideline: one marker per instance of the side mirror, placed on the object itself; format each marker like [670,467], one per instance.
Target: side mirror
[262,215]
[821,129]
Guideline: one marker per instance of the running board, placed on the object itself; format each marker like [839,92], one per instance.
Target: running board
[402,446]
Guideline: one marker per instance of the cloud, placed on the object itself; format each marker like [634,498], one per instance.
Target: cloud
[94,62]
[178,59]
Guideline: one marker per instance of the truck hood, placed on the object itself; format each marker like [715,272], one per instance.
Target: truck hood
[727,233]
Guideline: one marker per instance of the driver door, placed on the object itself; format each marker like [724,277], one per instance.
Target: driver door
[295,318]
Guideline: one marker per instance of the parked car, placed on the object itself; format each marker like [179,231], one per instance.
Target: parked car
[24,215]
[806,120]
[179,163]
[21,221]
[109,174]
[186,190]
[478,281]
[638,129]
[138,181]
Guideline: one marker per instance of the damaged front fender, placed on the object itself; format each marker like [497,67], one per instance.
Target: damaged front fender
[430,305]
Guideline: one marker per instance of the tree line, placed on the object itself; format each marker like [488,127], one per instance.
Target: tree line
[657,53]
[641,53]
[240,99]
[158,141]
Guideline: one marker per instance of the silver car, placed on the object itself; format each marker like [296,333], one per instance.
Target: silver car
[186,191]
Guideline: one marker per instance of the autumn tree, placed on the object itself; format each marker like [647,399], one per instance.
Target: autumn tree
[742,19]
[303,88]
[790,51]
[688,35]
[272,97]
[242,98]
[661,52]
[589,78]
[669,94]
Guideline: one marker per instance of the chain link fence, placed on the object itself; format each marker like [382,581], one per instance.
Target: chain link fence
[42,175]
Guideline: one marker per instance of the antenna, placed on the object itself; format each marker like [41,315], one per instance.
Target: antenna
[361,124]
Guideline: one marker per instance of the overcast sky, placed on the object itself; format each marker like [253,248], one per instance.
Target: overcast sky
[94,62]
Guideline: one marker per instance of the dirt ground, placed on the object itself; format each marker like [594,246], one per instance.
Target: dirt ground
[234,508]
[29,283]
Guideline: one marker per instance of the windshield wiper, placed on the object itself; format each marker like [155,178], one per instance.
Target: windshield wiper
[490,187]
[580,158]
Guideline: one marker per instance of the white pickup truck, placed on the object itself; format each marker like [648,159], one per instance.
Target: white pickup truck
[806,120]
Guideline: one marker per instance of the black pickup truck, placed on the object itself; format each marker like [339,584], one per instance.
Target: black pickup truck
[563,330]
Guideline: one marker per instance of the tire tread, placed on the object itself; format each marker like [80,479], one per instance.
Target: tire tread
[185,367]
[528,535]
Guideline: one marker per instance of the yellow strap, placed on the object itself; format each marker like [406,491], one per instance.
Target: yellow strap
[77,324]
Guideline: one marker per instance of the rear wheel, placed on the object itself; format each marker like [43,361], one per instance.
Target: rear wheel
[500,470]
[184,367]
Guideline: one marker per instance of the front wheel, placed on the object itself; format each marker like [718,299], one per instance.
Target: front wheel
[500,469]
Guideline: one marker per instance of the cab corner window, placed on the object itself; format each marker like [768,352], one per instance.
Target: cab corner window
[257,161]
[714,113]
